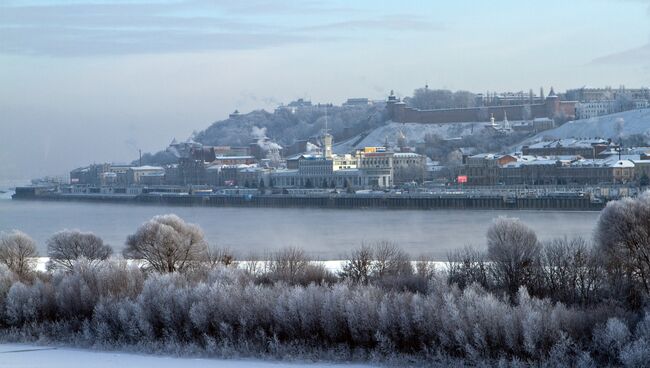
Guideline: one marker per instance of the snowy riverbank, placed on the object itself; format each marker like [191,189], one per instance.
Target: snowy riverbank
[33,356]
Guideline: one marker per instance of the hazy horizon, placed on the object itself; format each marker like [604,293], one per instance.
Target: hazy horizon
[94,81]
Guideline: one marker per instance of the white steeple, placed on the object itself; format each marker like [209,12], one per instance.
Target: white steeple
[506,124]
[327,140]
[493,124]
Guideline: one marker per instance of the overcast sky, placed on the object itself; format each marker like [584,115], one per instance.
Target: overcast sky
[92,81]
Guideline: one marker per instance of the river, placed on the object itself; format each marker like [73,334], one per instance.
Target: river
[323,233]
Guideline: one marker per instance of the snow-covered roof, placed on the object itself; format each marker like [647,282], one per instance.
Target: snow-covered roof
[568,142]
[406,154]
[623,164]
[146,168]
[285,172]
[234,158]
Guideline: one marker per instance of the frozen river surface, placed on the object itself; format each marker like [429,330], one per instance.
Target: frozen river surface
[324,233]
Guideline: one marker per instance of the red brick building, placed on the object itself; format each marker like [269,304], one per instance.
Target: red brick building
[551,108]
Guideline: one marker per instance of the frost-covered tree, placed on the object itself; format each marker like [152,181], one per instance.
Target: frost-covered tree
[514,252]
[167,244]
[66,247]
[623,238]
[18,252]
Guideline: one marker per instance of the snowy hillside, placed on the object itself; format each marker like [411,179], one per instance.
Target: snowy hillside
[608,126]
[414,132]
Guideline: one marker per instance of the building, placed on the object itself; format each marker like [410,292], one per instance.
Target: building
[409,167]
[518,169]
[376,168]
[542,124]
[234,160]
[100,174]
[187,172]
[592,109]
[608,93]
[145,175]
[357,102]
[587,148]
[230,151]
[551,107]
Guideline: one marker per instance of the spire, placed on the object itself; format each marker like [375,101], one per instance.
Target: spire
[327,140]
[506,125]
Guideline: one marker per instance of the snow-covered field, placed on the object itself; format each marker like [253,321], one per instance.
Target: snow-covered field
[33,356]
[412,131]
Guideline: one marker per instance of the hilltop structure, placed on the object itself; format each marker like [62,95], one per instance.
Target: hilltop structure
[551,107]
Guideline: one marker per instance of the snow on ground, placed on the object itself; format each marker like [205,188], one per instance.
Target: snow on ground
[332,265]
[413,132]
[607,126]
[33,356]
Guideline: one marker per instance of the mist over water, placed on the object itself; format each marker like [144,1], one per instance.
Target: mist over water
[323,233]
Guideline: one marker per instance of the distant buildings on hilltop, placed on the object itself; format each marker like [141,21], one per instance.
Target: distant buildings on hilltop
[311,163]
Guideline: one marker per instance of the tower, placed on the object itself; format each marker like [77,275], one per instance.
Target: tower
[327,140]
[327,145]
[506,124]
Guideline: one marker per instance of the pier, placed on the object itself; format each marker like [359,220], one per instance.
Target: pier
[341,201]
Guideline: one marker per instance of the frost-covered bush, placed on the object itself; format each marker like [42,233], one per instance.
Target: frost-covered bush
[611,337]
[29,303]
[226,310]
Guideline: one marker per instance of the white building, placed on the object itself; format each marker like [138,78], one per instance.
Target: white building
[590,109]
[136,174]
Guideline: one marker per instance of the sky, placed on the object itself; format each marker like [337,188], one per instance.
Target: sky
[94,81]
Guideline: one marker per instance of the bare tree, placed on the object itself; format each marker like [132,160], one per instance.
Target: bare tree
[221,256]
[390,260]
[425,267]
[467,266]
[66,247]
[359,266]
[252,265]
[167,244]
[18,252]
[514,251]
[288,263]
[571,271]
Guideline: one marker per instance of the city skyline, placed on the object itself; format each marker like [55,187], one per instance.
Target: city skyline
[96,77]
